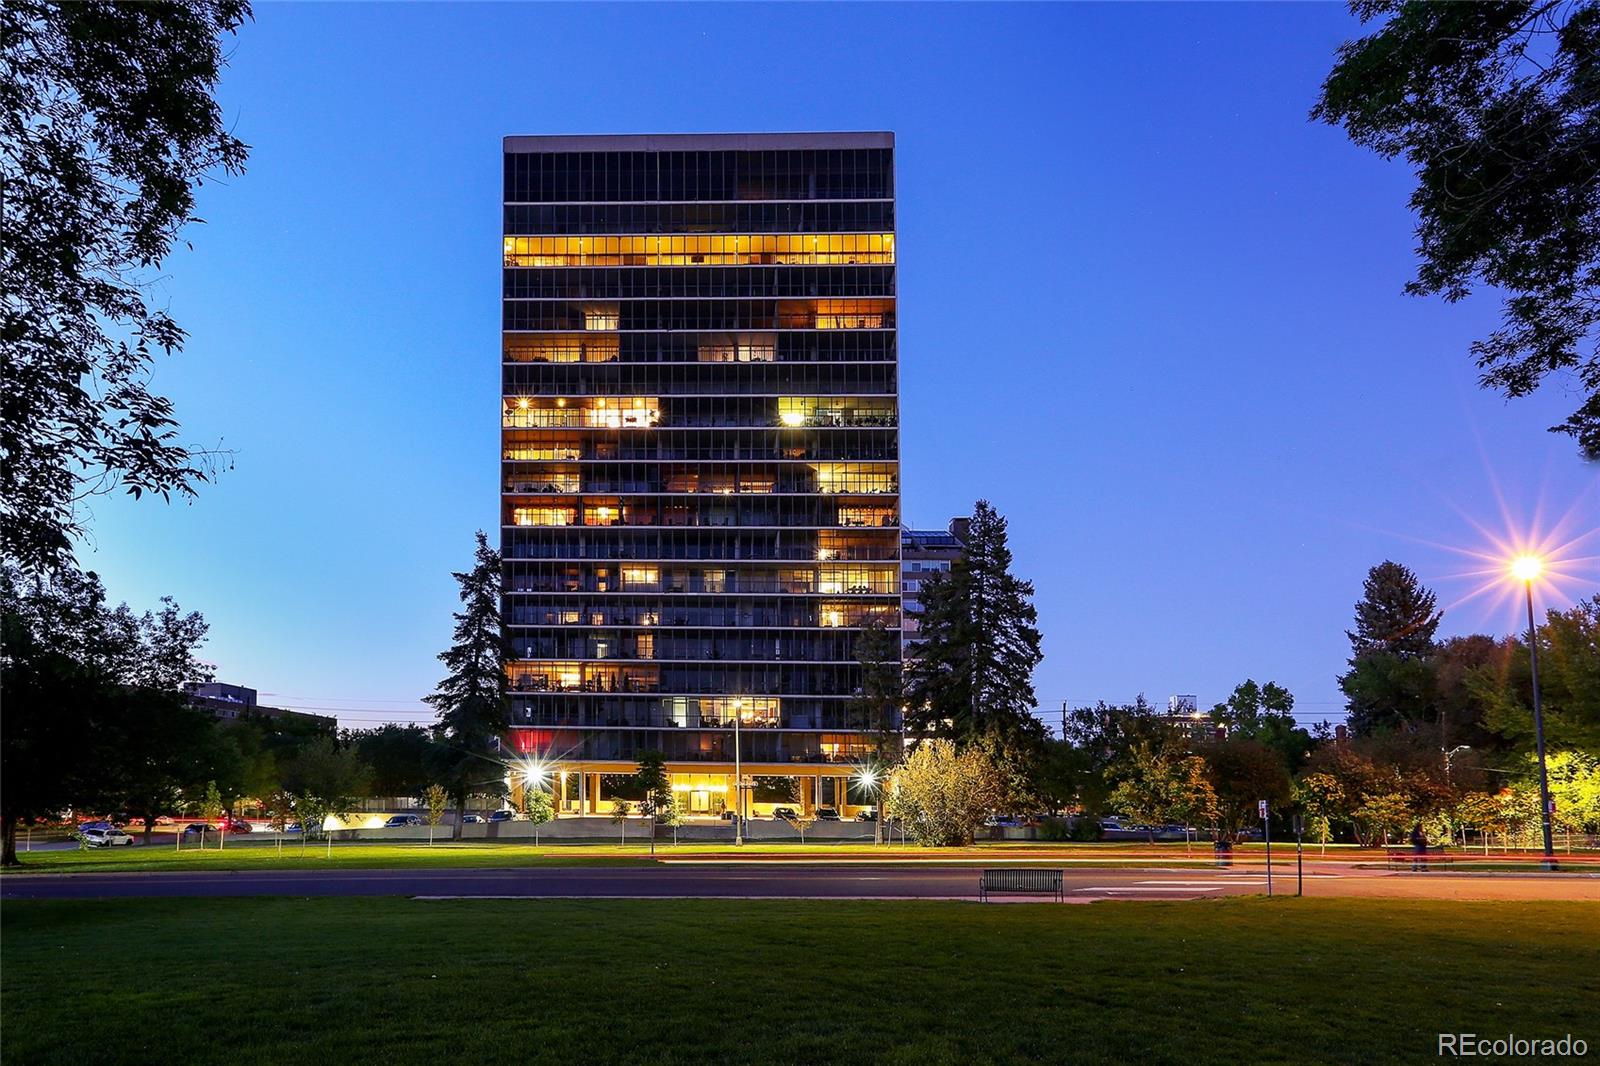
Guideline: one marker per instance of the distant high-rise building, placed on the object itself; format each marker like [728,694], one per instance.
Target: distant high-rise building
[700,454]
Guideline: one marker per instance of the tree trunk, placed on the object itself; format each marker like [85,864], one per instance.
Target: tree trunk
[461,812]
[8,841]
[149,827]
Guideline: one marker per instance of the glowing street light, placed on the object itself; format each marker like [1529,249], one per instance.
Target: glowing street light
[868,777]
[1526,569]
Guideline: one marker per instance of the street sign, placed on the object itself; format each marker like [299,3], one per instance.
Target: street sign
[1261,805]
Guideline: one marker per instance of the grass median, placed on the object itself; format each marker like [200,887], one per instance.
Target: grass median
[315,855]
[354,981]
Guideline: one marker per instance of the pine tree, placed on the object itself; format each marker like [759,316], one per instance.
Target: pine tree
[972,675]
[1390,683]
[471,699]
[878,700]
[1396,614]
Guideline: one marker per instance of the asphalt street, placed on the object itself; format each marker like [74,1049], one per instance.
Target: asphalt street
[788,880]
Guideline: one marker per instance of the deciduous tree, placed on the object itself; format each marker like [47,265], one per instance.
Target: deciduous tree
[1494,107]
[656,786]
[109,123]
[942,794]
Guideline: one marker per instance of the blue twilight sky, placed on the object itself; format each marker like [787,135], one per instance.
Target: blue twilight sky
[1147,309]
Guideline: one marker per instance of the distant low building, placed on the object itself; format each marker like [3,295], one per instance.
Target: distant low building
[230,703]
[924,552]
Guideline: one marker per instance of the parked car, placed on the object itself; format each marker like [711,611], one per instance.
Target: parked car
[827,814]
[108,837]
[198,829]
[397,820]
[470,819]
[234,825]
[500,816]
[293,827]
[868,815]
[728,816]
[788,814]
[164,819]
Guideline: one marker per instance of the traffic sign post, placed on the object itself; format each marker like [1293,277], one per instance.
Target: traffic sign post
[1266,834]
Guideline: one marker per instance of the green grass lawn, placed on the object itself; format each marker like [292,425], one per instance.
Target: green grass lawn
[267,981]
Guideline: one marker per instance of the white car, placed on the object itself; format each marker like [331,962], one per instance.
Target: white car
[106,838]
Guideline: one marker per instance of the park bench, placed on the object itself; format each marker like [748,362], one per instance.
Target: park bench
[1021,882]
[1405,858]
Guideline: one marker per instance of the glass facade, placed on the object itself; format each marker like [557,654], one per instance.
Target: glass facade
[700,453]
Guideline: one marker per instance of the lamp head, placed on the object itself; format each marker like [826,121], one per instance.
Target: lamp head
[1526,567]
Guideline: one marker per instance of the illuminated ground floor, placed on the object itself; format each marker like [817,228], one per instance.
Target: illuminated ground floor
[707,790]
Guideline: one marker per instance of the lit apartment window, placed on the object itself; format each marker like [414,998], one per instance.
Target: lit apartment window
[641,577]
[866,516]
[781,249]
[561,348]
[600,316]
[542,516]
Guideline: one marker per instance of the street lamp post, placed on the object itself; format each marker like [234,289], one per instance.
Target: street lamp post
[1526,568]
[738,785]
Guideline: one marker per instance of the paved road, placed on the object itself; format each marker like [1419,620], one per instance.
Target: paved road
[778,881]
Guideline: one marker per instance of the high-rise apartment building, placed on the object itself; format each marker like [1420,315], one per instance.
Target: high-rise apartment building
[700,455]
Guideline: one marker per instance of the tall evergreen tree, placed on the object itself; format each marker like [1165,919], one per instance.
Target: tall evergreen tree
[973,672]
[471,699]
[1390,683]
[1396,614]
[878,702]
[882,692]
